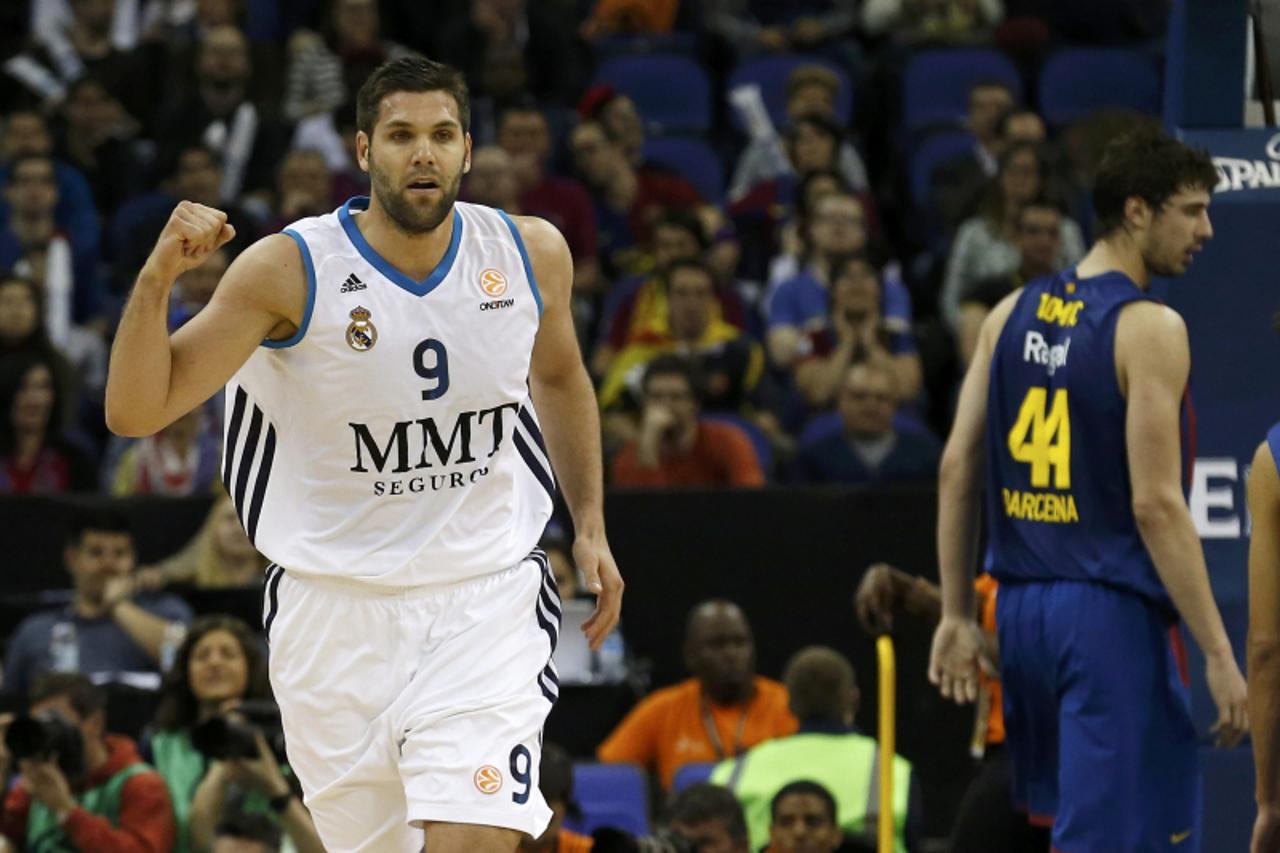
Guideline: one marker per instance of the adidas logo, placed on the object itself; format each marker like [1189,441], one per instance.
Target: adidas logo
[352,284]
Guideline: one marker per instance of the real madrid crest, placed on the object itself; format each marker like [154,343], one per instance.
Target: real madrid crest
[361,334]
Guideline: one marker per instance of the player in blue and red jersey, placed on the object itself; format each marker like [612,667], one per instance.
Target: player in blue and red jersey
[1074,403]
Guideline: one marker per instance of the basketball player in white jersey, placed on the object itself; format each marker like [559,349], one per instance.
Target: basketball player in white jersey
[382,364]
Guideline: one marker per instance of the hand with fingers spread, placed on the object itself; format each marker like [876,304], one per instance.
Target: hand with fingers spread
[956,658]
[592,554]
[193,233]
[1227,687]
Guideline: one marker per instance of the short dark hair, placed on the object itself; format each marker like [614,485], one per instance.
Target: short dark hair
[818,679]
[100,519]
[820,123]
[685,220]
[1149,164]
[702,802]
[411,74]
[801,787]
[86,697]
[697,264]
[1044,201]
[179,707]
[672,365]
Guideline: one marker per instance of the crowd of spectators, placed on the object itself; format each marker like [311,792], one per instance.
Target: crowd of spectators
[804,320]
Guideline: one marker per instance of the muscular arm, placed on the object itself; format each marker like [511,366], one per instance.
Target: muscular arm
[562,393]
[154,379]
[1264,624]
[1153,363]
[145,629]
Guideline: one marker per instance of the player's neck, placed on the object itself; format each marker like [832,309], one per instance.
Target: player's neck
[1115,254]
[415,255]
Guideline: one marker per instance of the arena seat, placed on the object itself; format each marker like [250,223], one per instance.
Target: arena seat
[935,87]
[1078,81]
[692,774]
[693,159]
[613,795]
[672,93]
[932,153]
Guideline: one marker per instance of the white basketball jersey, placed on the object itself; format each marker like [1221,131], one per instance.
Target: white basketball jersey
[392,439]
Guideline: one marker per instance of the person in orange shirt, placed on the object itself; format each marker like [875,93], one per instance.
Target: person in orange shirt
[555,781]
[986,820]
[722,711]
[673,447]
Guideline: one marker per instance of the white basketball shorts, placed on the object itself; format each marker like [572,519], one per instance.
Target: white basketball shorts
[407,706]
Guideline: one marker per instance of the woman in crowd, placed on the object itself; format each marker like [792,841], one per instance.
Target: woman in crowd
[35,455]
[219,665]
[219,556]
[984,246]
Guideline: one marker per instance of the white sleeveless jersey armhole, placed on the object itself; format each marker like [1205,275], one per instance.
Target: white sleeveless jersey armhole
[392,440]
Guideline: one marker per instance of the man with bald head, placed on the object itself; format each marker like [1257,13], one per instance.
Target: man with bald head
[723,710]
[829,750]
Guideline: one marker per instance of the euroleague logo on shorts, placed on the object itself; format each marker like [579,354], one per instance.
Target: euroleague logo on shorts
[488,779]
[493,283]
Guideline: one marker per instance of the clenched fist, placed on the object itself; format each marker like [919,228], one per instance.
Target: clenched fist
[192,233]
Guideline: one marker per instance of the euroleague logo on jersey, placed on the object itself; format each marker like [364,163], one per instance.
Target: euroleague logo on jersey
[493,283]
[488,779]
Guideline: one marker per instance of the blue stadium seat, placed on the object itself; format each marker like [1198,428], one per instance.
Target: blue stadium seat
[932,153]
[770,74]
[935,88]
[692,774]
[693,160]
[1077,81]
[672,93]
[613,795]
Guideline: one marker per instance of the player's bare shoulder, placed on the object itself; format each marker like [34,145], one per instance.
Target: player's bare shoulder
[549,256]
[268,276]
[1151,344]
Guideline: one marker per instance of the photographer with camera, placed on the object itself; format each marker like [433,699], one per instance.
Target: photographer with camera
[79,788]
[217,739]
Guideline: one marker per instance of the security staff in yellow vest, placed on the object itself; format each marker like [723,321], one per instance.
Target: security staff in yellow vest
[827,750]
[98,797]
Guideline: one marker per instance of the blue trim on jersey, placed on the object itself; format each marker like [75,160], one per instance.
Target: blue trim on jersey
[524,257]
[382,265]
[311,294]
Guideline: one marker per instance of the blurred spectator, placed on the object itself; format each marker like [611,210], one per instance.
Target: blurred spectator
[22,324]
[867,449]
[523,133]
[729,362]
[63,52]
[985,246]
[503,47]
[101,140]
[792,239]
[987,820]
[621,121]
[636,310]
[709,818]
[811,91]
[856,332]
[627,202]
[69,272]
[182,459]
[802,303]
[251,833]
[304,187]
[219,555]
[931,20]
[195,287]
[219,665]
[676,448]
[555,781]
[196,176]
[27,132]
[802,819]
[827,749]
[106,631]
[103,800]
[723,710]
[1038,237]
[957,185]
[325,70]
[220,114]
[492,179]
[764,26]
[630,17]
[955,182]
[36,455]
